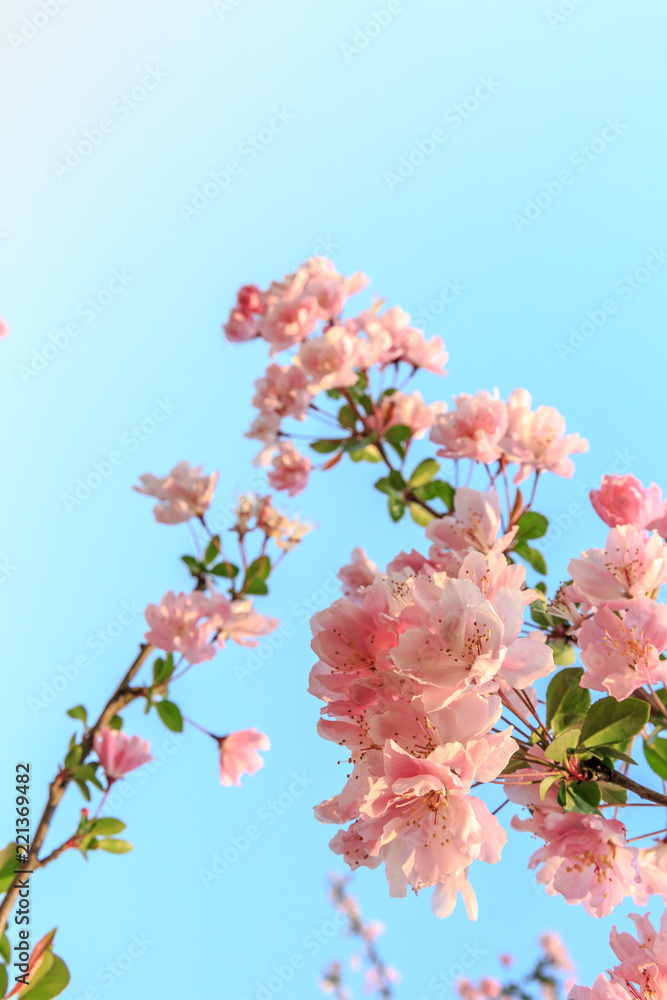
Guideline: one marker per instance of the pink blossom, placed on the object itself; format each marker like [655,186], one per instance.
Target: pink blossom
[329,361]
[283,391]
[238,620]
[537,441]
[403,342]
[289,469]
[586,860]
[184,493]
[621,647]
[330,289]
[555,951]
[176,626]
[475,524]
[359,573]
[240,328]
[443,899]
[288,322]
[623,500]
[652,862]
[602,990]
[4,327]
[265,428]
[472,430]
[410,411]
[238,755]
[630,564]
[119,753]
[643,961]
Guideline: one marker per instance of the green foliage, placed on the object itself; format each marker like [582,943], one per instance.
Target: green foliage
[567,702]
[610,721]
[424,473]
[655,751]
[170,714]
[78,712]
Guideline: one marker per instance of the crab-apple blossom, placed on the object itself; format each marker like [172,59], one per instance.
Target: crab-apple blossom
[621,647]
[184,493]
[474,524]
[536,440]
[473,429]
[237,620]
[180,624]
[632,562]
[239,754]
[119,753]
[623,500]
[282,390]
[289,469]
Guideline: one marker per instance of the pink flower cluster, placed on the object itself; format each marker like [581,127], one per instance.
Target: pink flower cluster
[189,624]
[413,666]
[184,493]
[641,973]
[119,753]
[238,754]
[303,314]
[624,630]
[485,429]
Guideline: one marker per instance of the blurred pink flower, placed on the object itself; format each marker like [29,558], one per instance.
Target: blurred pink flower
[184,493]
[238,754]
[118,753]
[623,500]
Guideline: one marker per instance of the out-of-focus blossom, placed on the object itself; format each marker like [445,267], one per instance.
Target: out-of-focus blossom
[184,493]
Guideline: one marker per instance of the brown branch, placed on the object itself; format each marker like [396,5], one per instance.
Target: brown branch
[121,697]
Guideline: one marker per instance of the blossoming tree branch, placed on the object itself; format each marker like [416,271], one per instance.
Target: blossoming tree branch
[183,630]
[453,685]
[427,670]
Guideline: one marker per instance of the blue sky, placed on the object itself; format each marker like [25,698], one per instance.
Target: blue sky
[540,198]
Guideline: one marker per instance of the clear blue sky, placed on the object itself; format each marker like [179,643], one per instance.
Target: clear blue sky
[569,115]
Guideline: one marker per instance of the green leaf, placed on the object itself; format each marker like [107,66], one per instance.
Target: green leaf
[531,525]
[611,721]
[445,491]
[655,752]
[583,796]
[397,481]
[613,793]
[419,515]
[195,567]
[397,434]
[115,722]
[52,984]
[73,756]
[163,669]
[107,825]
[259,569]
[3,980]
[170,714]
[114,846]
[324,446]
[532,556]
[563,652]
[546,784]
[566,700]
[226,569]
[367,403]
[367,454]
[424,473]
[83,788]
[256,587]
[558,748]
[347,417]
[78,712]
[611,753]
[7,865]
[212,550]
[5,950]
[396,509]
